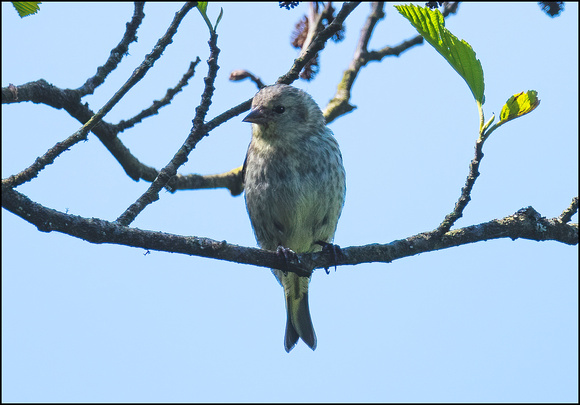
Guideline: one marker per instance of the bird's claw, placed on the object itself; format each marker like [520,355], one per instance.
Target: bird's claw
[332,249]
[288,255]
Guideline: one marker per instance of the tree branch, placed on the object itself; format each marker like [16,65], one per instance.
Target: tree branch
[197,133]
[117,53]
[524,224]
[158,104]
[566,216]
[465,196]
[49,157]
[241,74]
[42,92]
[340,103]
[232,179]
[317,43]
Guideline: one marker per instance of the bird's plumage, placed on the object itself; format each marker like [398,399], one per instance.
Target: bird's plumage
[295,186]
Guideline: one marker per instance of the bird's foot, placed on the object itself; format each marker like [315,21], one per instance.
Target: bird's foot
[331,249]
[288,255]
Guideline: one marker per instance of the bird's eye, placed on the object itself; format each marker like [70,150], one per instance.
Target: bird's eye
[279,109]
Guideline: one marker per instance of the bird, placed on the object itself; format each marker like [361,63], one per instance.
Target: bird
[295,187]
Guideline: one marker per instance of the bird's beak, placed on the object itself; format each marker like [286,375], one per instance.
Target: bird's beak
[256,116]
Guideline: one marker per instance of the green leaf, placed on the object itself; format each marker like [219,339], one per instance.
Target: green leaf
[202,6]
[219,18]
[518,105]
[26,8]
[431,25]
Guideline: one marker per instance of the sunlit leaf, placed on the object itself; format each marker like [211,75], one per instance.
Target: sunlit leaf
[26,8]
[202,6]
[431,25]
[518,105]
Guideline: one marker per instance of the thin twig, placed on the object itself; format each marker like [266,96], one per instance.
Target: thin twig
[197,133]
[41,92]
[566,216]
[241,74]
[465,196]
[317,43]
[231,179]
[339,105]
[117,53]
[49,157]
[150,59]
[396,50]
[158,104]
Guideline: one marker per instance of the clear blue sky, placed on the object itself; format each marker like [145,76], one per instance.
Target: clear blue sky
[492,321]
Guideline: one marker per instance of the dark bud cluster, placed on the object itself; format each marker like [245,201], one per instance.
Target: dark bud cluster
[300,34]
[552,8]
[288,4]
[434,4]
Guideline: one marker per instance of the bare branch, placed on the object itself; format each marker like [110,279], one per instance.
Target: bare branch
[524,224]
[566,216]
[225,179]
[49,157]
[241,74]
[117,53]
[158,104]
[340,103]
[42,92]
[81,134]
[317,43]
[465,196]
[394,50]
[197,133]
[231,180]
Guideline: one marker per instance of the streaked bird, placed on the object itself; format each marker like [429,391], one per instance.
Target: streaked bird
[295,186]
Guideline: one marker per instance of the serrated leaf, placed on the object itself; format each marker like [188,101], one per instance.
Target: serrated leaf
[202,6]
[431,25]
[26,8]
[518,105]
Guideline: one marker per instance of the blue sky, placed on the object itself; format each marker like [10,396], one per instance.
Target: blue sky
[491,321]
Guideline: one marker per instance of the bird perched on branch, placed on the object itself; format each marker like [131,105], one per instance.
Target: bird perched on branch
[295,188]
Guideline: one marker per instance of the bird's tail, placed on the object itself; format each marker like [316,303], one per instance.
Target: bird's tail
[298,322]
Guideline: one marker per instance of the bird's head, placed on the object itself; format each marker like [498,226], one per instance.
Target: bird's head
[284,112]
